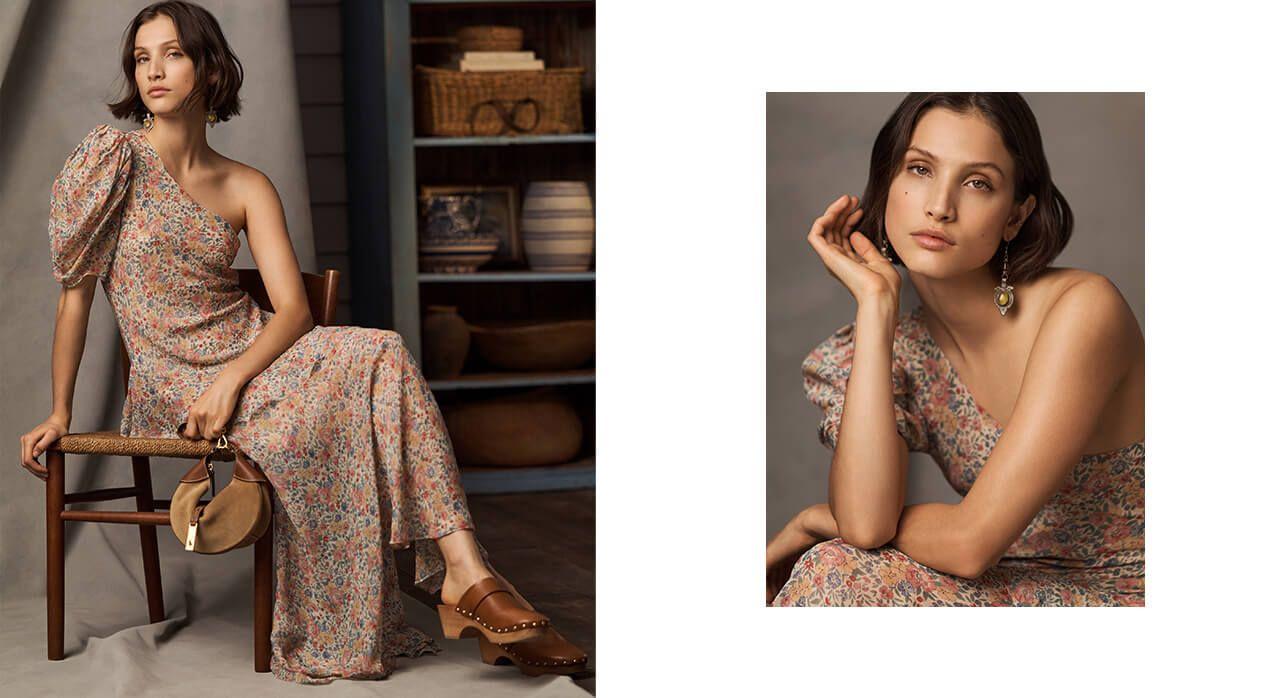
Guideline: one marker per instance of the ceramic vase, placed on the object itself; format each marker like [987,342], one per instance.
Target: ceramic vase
[557,226]
[446,338]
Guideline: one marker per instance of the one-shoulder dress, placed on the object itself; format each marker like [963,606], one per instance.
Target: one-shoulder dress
[1084,548]
[342,422]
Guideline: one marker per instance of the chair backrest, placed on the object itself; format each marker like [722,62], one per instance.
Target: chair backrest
[322,298]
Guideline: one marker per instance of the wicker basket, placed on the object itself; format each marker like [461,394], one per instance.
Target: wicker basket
[515,102]
[490,38]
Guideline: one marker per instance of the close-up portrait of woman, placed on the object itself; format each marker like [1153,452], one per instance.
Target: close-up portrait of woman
[347,485]
[976,297]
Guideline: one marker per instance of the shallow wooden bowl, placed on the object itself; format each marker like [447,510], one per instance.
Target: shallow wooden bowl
[547,346]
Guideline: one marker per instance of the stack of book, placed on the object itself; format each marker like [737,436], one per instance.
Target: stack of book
[479,61]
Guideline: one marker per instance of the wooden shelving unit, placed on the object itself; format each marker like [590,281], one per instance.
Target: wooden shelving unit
[387,165]
[511,276]
[456,141]
[511,379]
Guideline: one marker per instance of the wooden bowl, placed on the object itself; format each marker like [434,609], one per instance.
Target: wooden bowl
[527,430]
[547,346]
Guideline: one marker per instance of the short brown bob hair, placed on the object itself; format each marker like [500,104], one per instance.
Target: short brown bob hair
[201,38]
[1045,232]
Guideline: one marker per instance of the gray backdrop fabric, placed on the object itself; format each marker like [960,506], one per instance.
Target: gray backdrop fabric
[818,146]
[59,60]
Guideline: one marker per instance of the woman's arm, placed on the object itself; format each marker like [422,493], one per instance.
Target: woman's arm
[69,329]
[805,530]
[868,476]
[273,252]
[868,480]
[1084,348]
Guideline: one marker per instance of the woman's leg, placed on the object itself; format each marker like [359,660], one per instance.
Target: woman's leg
[463,563]
[464,566]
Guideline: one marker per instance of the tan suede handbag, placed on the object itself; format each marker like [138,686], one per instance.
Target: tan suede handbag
[233,518]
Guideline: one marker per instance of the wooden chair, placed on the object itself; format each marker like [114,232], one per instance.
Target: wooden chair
[322,296]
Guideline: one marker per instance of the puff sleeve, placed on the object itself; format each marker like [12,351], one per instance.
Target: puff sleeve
[85,207]
[826,374]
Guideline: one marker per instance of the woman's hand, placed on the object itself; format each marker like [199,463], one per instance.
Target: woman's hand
[851,257]
[805,530]
[37,440]
[211,414]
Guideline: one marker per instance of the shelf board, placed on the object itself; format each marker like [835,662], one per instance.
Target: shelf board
[570,476]
[565,3]
[508,276]
[513,379]
[447,141]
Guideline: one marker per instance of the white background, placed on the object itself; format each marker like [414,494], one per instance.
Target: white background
[680,205]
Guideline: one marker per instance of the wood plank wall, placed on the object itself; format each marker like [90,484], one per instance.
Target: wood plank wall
[317,49]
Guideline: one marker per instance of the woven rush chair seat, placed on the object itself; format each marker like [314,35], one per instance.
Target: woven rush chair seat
[322,299]
[110,443]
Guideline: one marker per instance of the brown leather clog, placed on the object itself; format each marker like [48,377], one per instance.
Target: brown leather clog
[488,609]
[548,653]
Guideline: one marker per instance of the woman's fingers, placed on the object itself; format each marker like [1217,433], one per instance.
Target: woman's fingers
[849,225]
[831,219]
[844,267]
[29,461]
[47,438]
[214,431]
[866,249]
[847,208]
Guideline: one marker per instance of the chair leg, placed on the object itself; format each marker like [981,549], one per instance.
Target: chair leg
[262,596]
[147,537]
[55,570]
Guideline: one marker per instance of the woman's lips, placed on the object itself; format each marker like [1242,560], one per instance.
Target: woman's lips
[157,91]
[930,242]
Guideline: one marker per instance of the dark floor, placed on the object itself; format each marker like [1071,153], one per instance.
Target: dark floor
[543,543]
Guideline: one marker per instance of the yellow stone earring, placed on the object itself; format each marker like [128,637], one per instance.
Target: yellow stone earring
[211,117]
[1004,292]
[147,121]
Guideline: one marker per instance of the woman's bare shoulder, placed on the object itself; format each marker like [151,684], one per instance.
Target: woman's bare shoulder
[249,186]
[1085,298]
[1054,283]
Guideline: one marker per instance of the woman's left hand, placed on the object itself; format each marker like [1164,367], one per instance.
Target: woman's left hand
[210,415]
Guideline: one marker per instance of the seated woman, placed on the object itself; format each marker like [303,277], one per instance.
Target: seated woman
[1033,409]
[340,417]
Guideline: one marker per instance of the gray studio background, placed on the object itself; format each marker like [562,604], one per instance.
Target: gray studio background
[59,64]
[818,147]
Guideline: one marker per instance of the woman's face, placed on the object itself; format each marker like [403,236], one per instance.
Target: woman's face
[956,180]
[163,71]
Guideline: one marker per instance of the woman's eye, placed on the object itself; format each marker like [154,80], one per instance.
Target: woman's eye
[981,184]
[140,59]
[174,54]
[920,170]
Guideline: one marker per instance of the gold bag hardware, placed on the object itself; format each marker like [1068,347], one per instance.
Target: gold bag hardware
[235,517]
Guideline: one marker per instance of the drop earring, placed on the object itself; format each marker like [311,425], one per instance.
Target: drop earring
[1004,292]
[148,121]
[211,118]
[884,245]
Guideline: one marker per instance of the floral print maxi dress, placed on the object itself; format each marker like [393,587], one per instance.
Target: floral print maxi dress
[1084,548]
[342,422]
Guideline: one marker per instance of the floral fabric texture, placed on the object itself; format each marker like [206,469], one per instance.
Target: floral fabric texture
[1084,548]
[342,422]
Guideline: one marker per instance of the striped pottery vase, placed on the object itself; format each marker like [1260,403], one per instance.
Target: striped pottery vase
[557,226]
